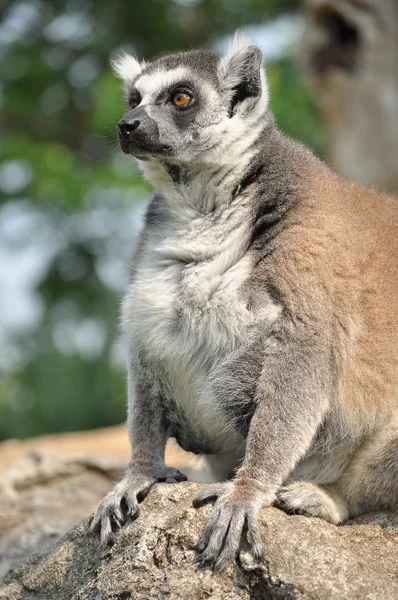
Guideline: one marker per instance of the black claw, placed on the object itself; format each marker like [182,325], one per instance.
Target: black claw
[133,513]
[173,476]
[95,525]
[258,554]
[106,543]
[142,495]
[115,526]
[205,561]
[219,567]
[198,501]
[200,548]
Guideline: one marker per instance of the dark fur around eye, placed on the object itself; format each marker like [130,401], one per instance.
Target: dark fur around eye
[181,88]
[135,97]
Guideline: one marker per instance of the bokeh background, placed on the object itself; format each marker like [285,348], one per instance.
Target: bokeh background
[71,203]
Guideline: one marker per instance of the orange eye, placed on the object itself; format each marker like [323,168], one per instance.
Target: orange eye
[133,105]
[180,99]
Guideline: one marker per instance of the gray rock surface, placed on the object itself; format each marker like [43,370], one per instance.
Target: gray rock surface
[154,557]
[42,496]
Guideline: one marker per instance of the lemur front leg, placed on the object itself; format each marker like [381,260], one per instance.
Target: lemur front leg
[291,401]
[148,436]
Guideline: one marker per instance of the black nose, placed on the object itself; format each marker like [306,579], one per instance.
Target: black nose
[127,128]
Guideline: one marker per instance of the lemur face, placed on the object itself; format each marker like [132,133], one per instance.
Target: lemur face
[190,107]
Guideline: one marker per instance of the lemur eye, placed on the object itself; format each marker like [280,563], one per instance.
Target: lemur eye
[133,104]
[181,99]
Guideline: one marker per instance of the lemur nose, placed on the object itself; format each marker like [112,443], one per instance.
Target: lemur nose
[126,128]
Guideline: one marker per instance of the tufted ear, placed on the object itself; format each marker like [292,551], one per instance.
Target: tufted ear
[127,67]
[241,73]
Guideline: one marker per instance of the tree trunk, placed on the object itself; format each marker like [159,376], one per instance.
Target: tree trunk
[350,57]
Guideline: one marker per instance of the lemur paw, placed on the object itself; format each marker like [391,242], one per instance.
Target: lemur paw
[235,510]
[171,475]
[121,504]
[305,498]
[207,494]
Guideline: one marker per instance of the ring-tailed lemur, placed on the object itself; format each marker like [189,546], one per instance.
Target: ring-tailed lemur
[262,311]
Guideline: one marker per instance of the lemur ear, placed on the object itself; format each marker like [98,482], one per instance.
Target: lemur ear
[241,73]
[127,67]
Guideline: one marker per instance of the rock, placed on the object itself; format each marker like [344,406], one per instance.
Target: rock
[112,441]
[42,496]
[109,441]
[154,557]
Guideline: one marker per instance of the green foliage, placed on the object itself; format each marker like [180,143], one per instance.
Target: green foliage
[59,107]
[292,107]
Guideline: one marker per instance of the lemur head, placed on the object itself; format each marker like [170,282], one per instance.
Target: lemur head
[193,107]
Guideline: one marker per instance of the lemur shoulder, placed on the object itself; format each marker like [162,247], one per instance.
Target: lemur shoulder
[261,316]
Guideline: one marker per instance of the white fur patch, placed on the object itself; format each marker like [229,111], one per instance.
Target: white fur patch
[127,67]
[237,49]
[190,266]
[150,84]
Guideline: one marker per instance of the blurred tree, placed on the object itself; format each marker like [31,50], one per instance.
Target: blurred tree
[73,194]
[350,57]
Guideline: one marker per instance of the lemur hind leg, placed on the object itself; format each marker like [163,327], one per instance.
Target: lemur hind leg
[312,500]
[369,483]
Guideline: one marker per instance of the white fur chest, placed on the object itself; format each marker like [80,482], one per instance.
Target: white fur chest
[190,302]
[187,311]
